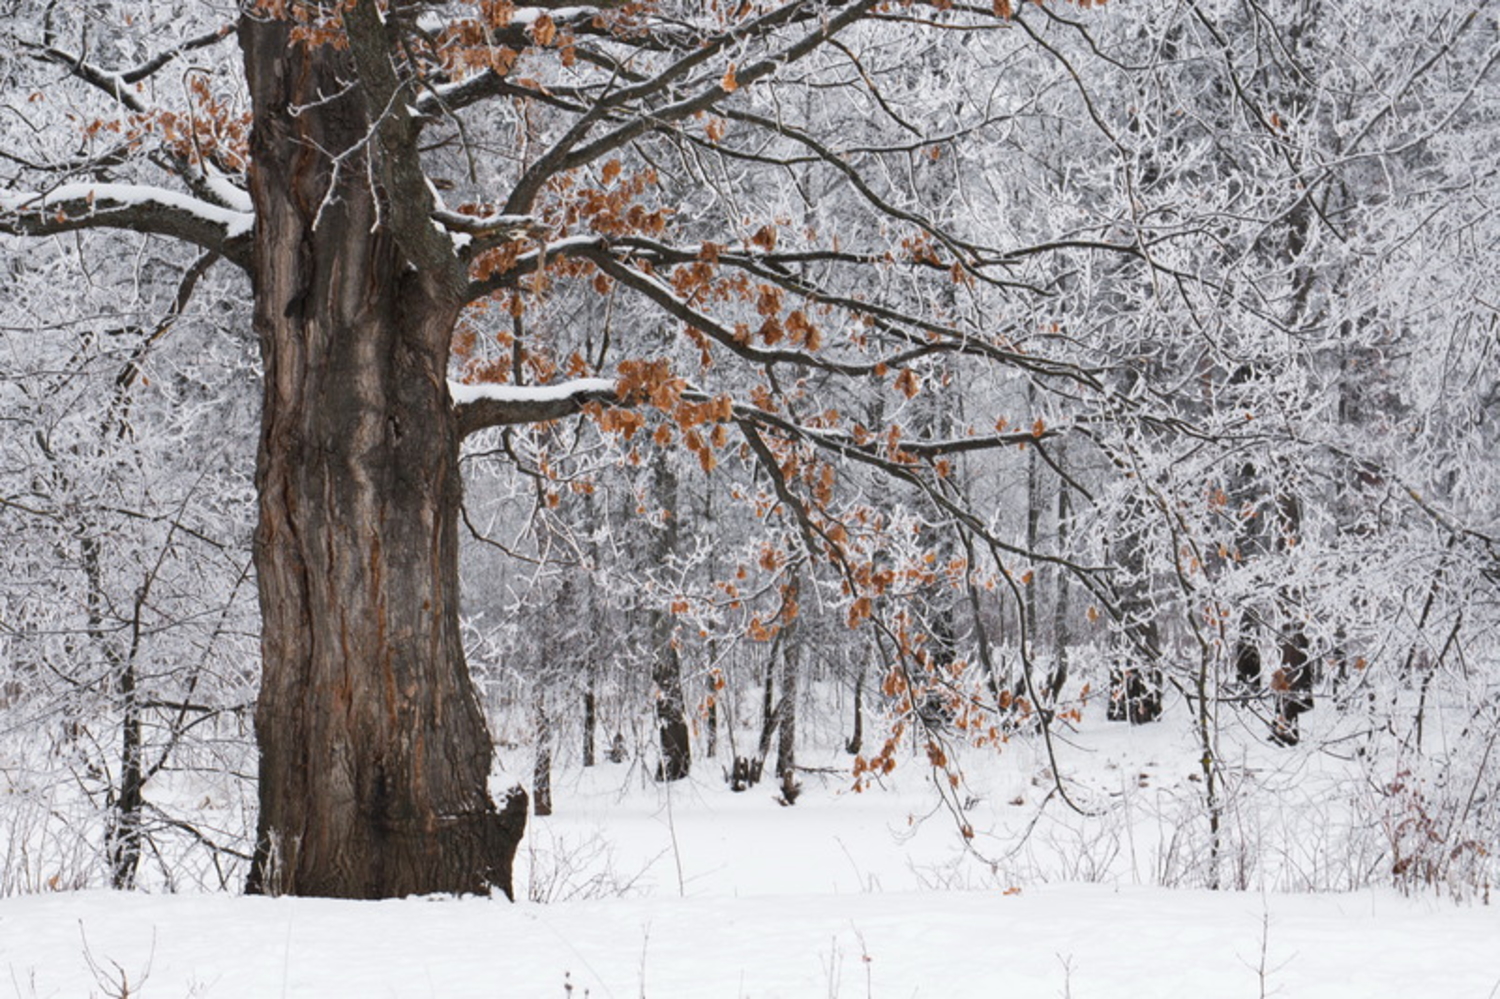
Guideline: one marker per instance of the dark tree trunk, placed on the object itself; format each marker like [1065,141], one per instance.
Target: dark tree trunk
[1292,686]
[671,717]
[125,820]
[374,753]
[1062,611]
[982,644]
[666,665]
[1135,680]
[1035,498]
[1247,663]
[770,713]
[711,721]
[768,707]
[596,646]
[1134,694]
[590,715]
[122,838]
[857,736]
[1292,683]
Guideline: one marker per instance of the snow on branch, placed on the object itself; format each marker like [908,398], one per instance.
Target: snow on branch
[499,226]
[139,208]
[481,406]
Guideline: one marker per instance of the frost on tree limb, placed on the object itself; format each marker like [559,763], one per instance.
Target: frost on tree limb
[133,207]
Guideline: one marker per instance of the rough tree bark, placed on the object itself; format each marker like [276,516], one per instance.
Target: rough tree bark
[374,753]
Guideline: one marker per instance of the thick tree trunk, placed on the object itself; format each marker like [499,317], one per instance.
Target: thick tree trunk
[374,754]
[671,711]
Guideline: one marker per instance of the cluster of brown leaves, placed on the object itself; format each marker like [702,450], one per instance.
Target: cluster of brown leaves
[314,22]
[650,385]
[883,762]
[613,207]
[209,131]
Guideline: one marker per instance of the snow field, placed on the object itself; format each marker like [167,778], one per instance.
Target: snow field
[694,891]
[1063,940]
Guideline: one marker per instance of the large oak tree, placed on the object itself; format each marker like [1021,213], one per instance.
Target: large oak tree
[374,753]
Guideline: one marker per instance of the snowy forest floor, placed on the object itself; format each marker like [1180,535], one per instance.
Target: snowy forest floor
[632,889]
[1063,940]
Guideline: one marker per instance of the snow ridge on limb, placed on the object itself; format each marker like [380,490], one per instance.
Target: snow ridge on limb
[481,406]
[142,208]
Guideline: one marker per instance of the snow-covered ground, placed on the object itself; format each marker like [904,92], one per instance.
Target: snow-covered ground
[635,890]
[1064,940]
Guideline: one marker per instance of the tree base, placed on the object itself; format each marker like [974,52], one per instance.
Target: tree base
[473,855]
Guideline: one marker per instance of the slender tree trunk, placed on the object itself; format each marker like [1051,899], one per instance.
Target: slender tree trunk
[857,736]
[590,712]
[125,819]
[541,771]
[1135,681]
[666,668]
[597,643]
[374,753]
[1035,498]
[1063,609]
[714,678]
[711,723]
[791,665]
[122,837]
[1292,683]
[770,710]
